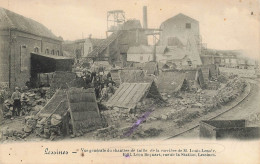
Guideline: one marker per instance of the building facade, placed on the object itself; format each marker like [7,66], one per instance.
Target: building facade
[19,36]
[183,32]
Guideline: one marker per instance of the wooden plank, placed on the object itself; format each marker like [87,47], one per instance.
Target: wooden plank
[125,97]
[88,106]
[118,92]
[134,93]
[139,95]
[125,94]
[124,88]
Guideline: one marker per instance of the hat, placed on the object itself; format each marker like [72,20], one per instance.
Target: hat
[16,88]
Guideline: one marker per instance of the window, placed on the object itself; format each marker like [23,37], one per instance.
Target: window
[52,52]
[188,25]
[36,50]
[58,53]
[47,51]
[189,62]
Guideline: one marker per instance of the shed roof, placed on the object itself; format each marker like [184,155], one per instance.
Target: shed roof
[84,110]
[134,76]
[54,56]
[170,82]
[149,67]
[9,19]
[129,94]
[57,105]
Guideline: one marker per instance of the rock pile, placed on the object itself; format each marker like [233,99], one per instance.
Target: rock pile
[107,133]
[232,89]
[9,134]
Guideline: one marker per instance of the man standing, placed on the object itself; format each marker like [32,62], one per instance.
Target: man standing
[16,97]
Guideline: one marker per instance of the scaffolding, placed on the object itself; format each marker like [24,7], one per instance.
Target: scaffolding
[115,18]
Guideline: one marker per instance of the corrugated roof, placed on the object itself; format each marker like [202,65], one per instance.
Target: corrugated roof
[9,19]
[128,95]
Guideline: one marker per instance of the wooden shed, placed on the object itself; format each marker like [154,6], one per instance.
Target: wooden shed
[75,104]
[129,94]
[84,110]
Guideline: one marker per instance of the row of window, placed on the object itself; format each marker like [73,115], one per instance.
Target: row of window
[47,52]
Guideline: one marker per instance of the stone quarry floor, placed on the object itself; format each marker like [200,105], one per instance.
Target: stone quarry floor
[246,110]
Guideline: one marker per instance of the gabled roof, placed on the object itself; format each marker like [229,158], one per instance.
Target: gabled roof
[11,20]
[179,16]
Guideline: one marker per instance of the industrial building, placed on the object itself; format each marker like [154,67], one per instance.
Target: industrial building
[80,48]
[183,32]
[19,36]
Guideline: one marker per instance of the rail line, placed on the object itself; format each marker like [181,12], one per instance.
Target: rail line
[216,116]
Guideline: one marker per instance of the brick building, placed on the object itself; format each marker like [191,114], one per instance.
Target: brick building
[19,36]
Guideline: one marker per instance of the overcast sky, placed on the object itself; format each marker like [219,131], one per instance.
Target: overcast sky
[224,24]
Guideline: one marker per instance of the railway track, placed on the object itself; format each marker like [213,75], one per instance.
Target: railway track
[218,115]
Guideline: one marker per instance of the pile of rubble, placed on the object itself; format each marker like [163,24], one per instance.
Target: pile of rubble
[16,135]
[226,94]
[107,133]
[132,132]
[232,89]
[31,101]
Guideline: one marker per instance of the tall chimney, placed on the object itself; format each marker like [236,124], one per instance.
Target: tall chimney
[145,17]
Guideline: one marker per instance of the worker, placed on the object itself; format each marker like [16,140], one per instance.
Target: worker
[16,97]
[111,89]
[104,93]
[110,80]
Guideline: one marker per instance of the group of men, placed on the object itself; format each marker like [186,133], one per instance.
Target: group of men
[103,84]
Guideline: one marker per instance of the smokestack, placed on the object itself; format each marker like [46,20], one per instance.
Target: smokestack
[145,17]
